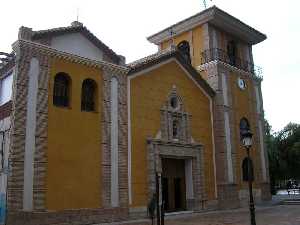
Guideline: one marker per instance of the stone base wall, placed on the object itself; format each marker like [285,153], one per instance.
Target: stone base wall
[138,213]
[68,217]
[228,196]
[244,196]
[211,205]
[265,192]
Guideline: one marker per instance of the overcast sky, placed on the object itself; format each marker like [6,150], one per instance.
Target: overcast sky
[124,26]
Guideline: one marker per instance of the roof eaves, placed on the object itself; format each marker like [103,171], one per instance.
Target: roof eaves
[215,16]
[55,31]
[51,52]
[208,10]
[73,29]
[167,55]
[150,58]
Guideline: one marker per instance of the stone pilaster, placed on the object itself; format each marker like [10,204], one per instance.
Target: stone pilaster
[122,138]
[262,155]
[224,133]
[18,130]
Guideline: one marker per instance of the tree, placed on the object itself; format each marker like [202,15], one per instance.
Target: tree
[284,153]
[288,141]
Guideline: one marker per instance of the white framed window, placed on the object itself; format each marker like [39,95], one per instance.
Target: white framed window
[6,88]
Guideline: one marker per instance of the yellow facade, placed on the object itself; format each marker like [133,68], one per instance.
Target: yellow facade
[148,93]
[74,144]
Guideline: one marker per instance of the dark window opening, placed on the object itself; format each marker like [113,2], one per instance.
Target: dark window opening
[184,49]
[88,95]
[246,162]
[175,129]
[244,127]
[61,90]
[174,102]
[231,51]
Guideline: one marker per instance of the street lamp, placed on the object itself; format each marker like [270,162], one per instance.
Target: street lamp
[247,143]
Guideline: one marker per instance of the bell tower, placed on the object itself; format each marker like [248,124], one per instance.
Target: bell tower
[219,47]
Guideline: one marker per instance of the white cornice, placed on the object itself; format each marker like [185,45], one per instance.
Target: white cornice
[216,17]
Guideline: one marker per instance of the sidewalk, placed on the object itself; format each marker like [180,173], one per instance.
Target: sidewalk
[273,215]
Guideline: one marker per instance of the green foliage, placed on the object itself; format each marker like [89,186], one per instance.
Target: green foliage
[284,152]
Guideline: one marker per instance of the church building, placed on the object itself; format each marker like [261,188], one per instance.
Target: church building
[87,137]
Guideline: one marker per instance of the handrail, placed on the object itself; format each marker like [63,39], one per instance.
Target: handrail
[216,54]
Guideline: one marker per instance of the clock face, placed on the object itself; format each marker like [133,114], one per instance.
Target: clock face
[241,83]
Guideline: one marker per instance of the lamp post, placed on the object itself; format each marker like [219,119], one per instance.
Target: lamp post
[247,143]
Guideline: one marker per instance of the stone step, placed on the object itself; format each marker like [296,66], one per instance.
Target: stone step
[291,202]
[131,222]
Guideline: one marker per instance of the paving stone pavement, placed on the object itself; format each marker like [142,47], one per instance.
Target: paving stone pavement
[275,215]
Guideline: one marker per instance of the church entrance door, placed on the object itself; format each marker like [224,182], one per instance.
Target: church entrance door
[173,184]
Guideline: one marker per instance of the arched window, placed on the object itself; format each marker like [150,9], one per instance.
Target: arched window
[244,127]
[88,95]
[61,90]
[184,49]
[245,169]
[231,51]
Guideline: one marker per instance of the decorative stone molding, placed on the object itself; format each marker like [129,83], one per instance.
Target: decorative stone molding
[170,115]
[53,53]
[159,149]
[243,73]
[181,148]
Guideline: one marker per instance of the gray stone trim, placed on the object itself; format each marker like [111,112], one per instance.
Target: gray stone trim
[54,53]
[260,131]
[226,66]
[214,36]
[24,54]
[122,139]
[191,43]
[114,142]
[159,149]
[206,36]
[228,148]
[30,134]
[251,54]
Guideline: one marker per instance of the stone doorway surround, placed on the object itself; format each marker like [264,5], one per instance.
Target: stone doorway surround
[158,149]
[174,140]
